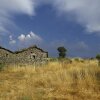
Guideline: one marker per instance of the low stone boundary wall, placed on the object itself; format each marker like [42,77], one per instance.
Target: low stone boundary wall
[22,60]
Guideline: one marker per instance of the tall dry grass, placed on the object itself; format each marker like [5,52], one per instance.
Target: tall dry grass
[54,81]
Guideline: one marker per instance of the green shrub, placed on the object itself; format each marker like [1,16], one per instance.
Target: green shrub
[82,61]
[98,58]
[77,59]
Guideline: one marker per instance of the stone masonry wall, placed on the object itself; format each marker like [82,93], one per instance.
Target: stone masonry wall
[29,56]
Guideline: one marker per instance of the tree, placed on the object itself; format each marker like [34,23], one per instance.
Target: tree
[62,52]
[98,58]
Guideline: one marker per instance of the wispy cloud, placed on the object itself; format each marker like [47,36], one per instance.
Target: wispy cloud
[10,7]
[11,40]
[81,46]
[85,12]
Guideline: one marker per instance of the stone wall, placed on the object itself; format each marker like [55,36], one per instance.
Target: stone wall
[29,56]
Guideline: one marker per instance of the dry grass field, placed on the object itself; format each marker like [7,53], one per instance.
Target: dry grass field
[79,80]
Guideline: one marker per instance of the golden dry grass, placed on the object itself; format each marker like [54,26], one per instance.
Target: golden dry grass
[54,81]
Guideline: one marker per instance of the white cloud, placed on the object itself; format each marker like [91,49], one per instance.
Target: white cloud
[25,40]
[35,37]
[17,6]
[28,40]
[3,29]
[86,12]
[22,37]
[12,41]
[29,37]
[10,7]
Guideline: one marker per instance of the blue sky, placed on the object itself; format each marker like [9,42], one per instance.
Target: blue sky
[50,24]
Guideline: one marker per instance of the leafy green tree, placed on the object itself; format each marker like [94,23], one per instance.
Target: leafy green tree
[62,52]
[98,58]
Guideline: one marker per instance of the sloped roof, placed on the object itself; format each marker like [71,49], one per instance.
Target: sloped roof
[25,49]
[6,49]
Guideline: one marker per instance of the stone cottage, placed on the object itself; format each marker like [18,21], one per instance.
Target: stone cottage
[27,55]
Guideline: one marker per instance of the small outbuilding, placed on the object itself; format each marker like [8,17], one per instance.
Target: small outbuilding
[27,55]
